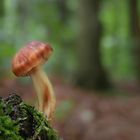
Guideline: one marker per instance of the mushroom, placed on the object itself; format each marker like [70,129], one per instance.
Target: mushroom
[28,62]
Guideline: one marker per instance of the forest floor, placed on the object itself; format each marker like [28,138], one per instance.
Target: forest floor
[84,115]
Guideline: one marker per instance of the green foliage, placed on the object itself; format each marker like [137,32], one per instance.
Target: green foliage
[23,21]
[116,41]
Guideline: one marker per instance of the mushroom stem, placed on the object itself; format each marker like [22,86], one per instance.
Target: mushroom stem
[46,98]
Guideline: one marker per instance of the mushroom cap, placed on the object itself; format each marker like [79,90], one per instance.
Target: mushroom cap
[30,57]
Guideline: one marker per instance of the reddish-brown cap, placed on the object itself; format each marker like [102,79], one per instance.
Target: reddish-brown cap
[29,57]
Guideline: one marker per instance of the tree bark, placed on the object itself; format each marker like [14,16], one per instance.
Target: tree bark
[63,10]
[135,34]
[1,8]
[91,73]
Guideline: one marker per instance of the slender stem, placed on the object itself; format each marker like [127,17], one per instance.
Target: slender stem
[46,98]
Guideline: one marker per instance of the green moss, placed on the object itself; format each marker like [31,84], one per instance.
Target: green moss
[19,121]
[9,130]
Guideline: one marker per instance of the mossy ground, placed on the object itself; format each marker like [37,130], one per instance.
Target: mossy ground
[19,121]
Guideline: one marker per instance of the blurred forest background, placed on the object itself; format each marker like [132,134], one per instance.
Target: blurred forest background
[96,50]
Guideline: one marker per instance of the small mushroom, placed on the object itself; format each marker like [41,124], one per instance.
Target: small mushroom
[28,62]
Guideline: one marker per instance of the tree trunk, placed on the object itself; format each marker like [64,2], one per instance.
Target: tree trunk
[1,8]
[135,33]
[63,10]
[91,73]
